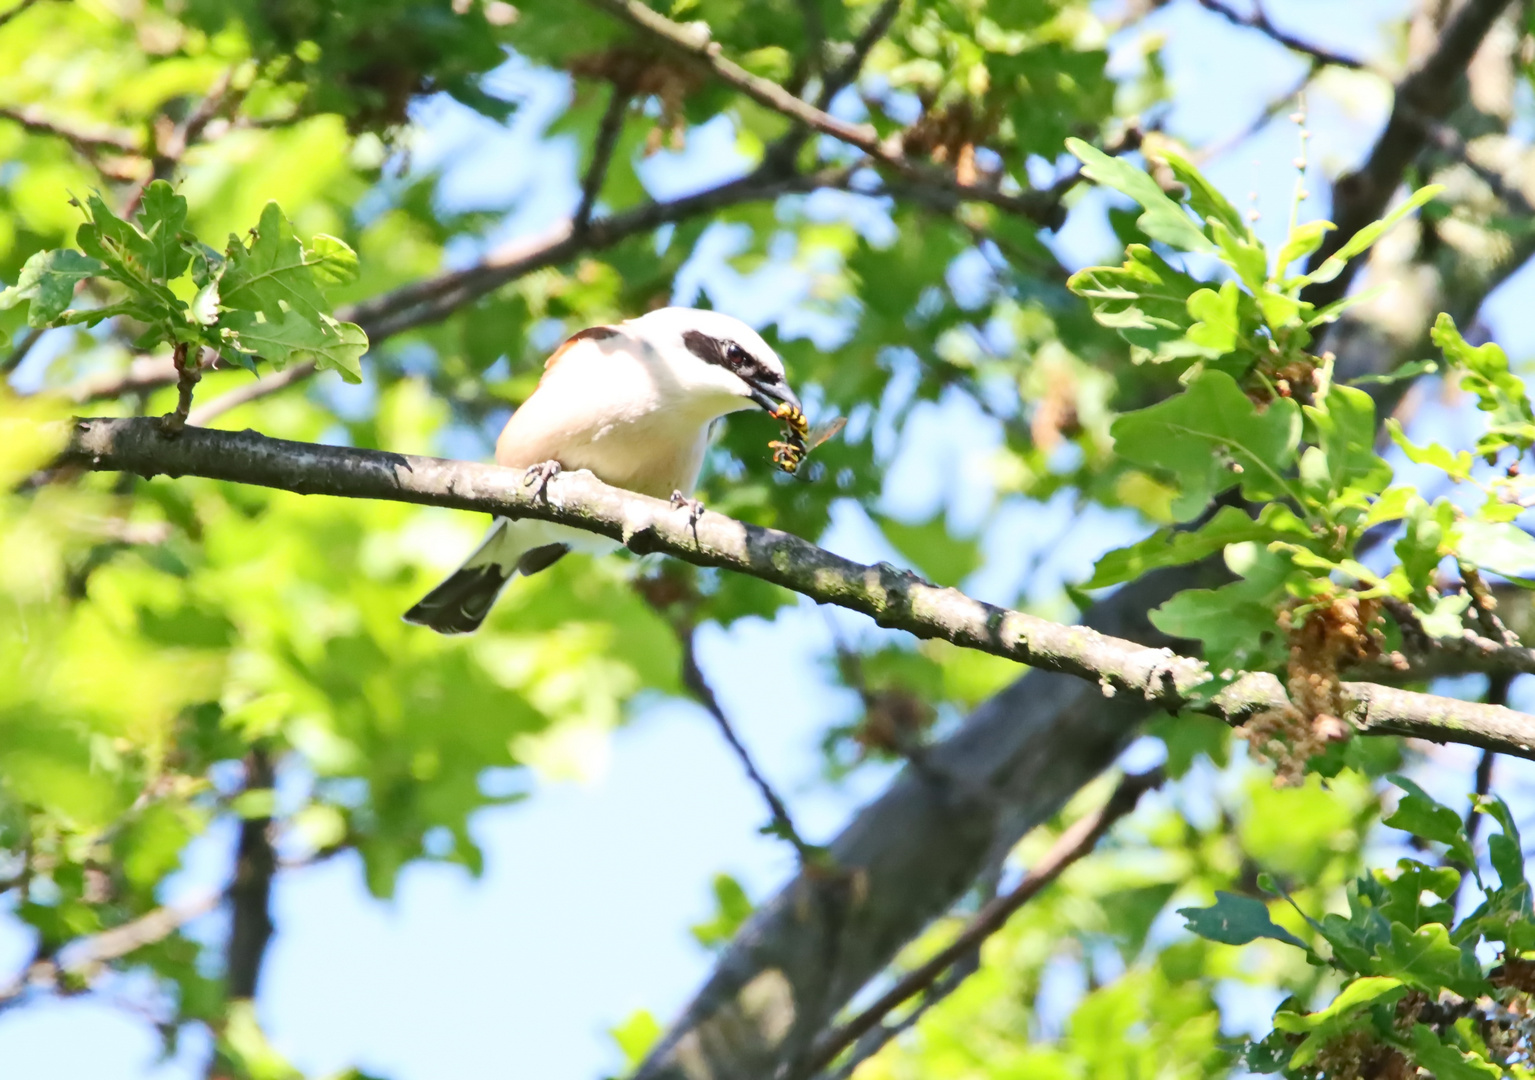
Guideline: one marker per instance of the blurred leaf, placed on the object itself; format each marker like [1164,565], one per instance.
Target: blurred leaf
[1164,219]
[1236,920]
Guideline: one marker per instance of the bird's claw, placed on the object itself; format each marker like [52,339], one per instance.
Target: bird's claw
[694,508]
[540,475]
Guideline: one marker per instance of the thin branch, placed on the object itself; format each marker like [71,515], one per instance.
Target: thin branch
[187,375]
[1276,105]
[8,15]
[602,155]
[783,824]
[814,35]
[1497,694]
[1486,607]
[1259,21]
[84,956]
[89,139]
[872,1042]
[1446,138]
[262,387]
[19,353]
[1424,95]
[1035,206]
[250,893]
[875,29]
[890,596]
[1074,843]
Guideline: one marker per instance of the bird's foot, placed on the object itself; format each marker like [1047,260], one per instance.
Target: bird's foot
[540,475]
[694,508]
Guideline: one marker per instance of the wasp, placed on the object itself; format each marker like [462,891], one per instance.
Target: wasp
[798,438]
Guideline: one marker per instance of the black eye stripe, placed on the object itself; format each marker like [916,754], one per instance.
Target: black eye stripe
[730,355]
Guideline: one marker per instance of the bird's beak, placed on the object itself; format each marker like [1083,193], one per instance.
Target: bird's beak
[773,396]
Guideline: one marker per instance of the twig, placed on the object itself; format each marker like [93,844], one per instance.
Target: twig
[891,596]
[814,35]
[1259,21]
[187,376]
[1486,606]
[1073,844]
[1497,694]
[172,146]
[1425,94]
[82,956]
[88,139]
[685,42]
[1275,106]
[875,29]
[783,824]
[602,155]
[251,391]
[19,353]
[250,893]
[1449,140]
[875,1040]
[7,16]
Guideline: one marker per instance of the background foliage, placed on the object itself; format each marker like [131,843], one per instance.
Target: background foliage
[187,665]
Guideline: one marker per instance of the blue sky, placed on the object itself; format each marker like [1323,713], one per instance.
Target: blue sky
[582,914]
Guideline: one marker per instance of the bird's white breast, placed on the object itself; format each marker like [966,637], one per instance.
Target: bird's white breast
[614,407]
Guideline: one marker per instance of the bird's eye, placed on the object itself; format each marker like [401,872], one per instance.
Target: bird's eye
[735,356]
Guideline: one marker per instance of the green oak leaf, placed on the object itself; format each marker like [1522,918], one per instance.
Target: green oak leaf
[1344,421]
[1204,197]
[1175,547]
[1212,437]
[1362,240]
[162,216]
[1421,815]
[331,260]
[1499,546]
[1427,959]
[1145,300]
[48,280]
[1235,623]
[273,273]
[334,345]
[1163,219]
[1506,850]
[1446,1062]
[1302,241]
[1219,326]
[119,244]
[1237,920]
[1344,1013]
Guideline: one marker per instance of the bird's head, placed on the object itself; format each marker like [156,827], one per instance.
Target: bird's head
[715,359]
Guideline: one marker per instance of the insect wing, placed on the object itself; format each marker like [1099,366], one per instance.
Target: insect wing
[824,432]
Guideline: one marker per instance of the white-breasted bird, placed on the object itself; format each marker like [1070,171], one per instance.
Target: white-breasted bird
[633,404]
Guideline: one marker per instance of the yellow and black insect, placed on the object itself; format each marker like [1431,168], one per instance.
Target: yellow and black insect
[798,440]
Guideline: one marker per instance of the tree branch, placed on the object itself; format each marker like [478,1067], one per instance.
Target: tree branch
[602,154]
[876,28]
[1039,207]
[1082,836]
[85,955]
[1425,95]
[89,139]
[891,597]
[11,13]
[693,679]
[1259,21]
[250,894]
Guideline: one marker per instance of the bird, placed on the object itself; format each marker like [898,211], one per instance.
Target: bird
[633,403]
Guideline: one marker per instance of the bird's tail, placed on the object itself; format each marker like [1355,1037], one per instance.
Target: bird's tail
[459,605]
